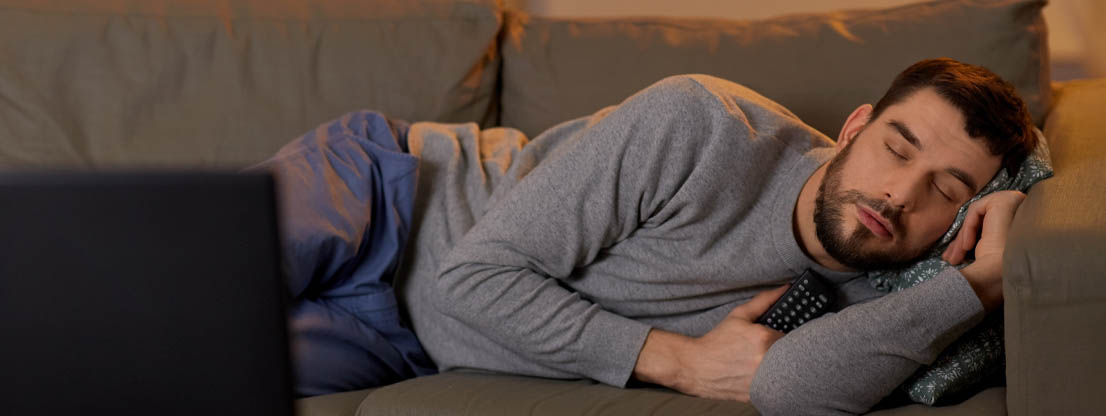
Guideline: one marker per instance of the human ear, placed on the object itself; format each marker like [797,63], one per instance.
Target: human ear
[853,124]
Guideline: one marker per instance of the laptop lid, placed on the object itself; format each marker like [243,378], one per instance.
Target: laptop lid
[153,293]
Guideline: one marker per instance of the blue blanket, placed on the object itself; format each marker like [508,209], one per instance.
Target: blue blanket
[345,194]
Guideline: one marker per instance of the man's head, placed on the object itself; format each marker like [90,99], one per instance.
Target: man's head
[904,167]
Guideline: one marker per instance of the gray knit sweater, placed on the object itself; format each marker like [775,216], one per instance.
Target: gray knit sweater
[667,211]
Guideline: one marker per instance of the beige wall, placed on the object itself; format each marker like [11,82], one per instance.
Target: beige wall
[744,9]
[1077,33]
[1077,43]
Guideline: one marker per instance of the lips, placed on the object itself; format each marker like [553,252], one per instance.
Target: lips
[877,224]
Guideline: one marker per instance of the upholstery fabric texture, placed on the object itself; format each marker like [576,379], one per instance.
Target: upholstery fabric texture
[1053,267]
[213,83]
[103,83]
[473,393]
[820,66]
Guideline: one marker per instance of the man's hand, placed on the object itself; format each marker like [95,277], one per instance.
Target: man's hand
[993,213]
[718,365]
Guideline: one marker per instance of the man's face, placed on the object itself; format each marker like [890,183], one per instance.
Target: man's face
[896,185]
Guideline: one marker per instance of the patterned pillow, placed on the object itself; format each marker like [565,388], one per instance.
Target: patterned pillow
[979,354]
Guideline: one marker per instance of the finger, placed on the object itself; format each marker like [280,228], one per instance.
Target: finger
[965,239]
[996,224]
[954,245]
[972,225]
[947,254]
[755,307]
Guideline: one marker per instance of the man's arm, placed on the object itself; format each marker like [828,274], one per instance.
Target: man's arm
[847,362]
[717,365]
[506,277]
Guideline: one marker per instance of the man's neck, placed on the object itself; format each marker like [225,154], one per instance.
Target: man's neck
[802,223]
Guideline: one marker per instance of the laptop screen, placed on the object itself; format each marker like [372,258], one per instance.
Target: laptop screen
[141,293]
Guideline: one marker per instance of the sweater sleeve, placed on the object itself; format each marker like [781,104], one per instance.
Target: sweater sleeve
[845,363]
[509,277]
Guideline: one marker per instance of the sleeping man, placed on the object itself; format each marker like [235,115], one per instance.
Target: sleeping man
[641,242]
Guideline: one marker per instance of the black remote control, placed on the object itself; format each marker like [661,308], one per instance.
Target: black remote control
[808,297]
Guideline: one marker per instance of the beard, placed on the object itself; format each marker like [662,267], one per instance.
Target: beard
[829,214]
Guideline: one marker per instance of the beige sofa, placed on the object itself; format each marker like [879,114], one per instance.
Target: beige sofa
[224,83]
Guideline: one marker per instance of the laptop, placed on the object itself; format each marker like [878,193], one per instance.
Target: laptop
[141,293]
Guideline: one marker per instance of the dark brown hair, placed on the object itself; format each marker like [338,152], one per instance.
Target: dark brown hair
[991,107]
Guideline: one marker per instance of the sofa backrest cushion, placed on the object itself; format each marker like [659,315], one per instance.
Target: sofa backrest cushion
[224,83]
[821,66]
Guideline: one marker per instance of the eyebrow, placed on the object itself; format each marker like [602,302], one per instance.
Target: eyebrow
[906,133]
[913,140]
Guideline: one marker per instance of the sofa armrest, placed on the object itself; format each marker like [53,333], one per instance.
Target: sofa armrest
[1055,266]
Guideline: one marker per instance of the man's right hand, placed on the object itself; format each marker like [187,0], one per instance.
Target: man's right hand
[989,218]
[718,365]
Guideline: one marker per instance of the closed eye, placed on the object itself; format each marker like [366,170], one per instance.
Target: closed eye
[938,188]
[901,157]
[889,149]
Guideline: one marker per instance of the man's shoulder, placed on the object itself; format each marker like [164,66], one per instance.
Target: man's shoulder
[738,114]
[715,90]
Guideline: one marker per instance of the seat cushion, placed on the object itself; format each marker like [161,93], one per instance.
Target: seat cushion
[226,82]
[991,401]
[471,393]
[464,393]
[337,404]
[820,66]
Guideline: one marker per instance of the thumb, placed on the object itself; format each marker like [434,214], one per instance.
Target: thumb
[755,307]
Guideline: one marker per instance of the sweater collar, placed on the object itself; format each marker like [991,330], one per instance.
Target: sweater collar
[786,242]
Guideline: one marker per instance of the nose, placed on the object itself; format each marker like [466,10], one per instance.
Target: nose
[902,191]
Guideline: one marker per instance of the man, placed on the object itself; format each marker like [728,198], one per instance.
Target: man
[641,242]
[648,241]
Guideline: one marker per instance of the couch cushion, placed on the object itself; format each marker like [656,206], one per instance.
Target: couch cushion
[337,404]
[991,401]
[226,82]
[470,393]
[464,393]
[821,66]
